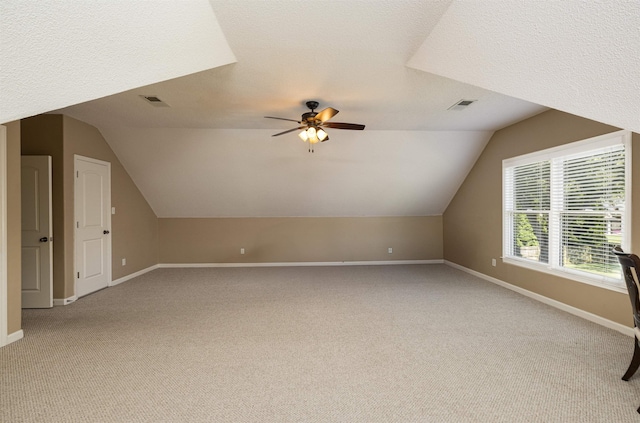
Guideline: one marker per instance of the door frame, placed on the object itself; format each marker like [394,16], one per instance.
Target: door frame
[4,308]
[77,157]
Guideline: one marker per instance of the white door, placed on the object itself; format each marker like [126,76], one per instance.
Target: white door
[37,241]
[93,225]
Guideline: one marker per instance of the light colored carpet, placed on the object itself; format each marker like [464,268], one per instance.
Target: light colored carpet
[422,343]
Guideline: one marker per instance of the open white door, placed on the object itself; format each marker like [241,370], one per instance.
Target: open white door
[37,240]
[93,225]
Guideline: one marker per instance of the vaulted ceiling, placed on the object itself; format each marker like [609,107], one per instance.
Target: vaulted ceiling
[395,66]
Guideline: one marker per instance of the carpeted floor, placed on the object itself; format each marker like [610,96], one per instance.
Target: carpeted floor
[421,343]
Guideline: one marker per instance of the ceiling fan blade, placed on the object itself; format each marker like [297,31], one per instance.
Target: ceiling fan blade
[290,130]
[326,114]
[340,125]
[291,120]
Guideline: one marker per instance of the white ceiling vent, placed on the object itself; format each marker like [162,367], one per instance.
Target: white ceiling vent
[462,104]
[154,101]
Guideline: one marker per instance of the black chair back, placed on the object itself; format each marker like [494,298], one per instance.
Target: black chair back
[631,270]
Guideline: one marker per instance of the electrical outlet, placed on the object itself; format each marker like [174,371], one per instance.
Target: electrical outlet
[124,261]
[390,250]
[241,250]
[493,262]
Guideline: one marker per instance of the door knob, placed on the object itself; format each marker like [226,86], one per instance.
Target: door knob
[44,239]
[106,232]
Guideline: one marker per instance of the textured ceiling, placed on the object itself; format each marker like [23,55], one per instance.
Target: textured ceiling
[210,153]
[350,55]
[58,53]
[581,57]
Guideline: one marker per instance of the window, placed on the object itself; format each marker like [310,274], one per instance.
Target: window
[564,209]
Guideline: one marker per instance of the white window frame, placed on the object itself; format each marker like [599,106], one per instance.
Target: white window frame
[571,149]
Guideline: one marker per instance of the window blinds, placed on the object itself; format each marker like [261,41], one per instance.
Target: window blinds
[564,208]
[591,203]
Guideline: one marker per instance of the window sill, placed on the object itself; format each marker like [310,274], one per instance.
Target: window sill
[566,274]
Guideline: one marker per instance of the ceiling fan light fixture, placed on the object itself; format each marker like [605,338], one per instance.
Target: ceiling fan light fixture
[313,135]
[322,135]
[312,124]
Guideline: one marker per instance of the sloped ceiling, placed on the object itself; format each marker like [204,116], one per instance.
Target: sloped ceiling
[582,57]
[56,53]
[211,154]
[242,173]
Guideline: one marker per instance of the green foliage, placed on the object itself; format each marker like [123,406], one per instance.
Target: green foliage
[584,237]
[525,237]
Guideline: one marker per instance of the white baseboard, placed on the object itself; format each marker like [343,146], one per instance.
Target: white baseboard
[67,301]
[626,330]
[15,336]
[302,263]
[134,275]
[64,301]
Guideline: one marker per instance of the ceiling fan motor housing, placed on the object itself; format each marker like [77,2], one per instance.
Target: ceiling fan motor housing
[312,122]
[309,117]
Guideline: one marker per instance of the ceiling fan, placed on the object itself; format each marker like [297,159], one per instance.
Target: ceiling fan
[312,124]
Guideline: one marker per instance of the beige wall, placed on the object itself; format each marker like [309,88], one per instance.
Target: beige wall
[473,220]
[299,239]
[14,232]
[134,228]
